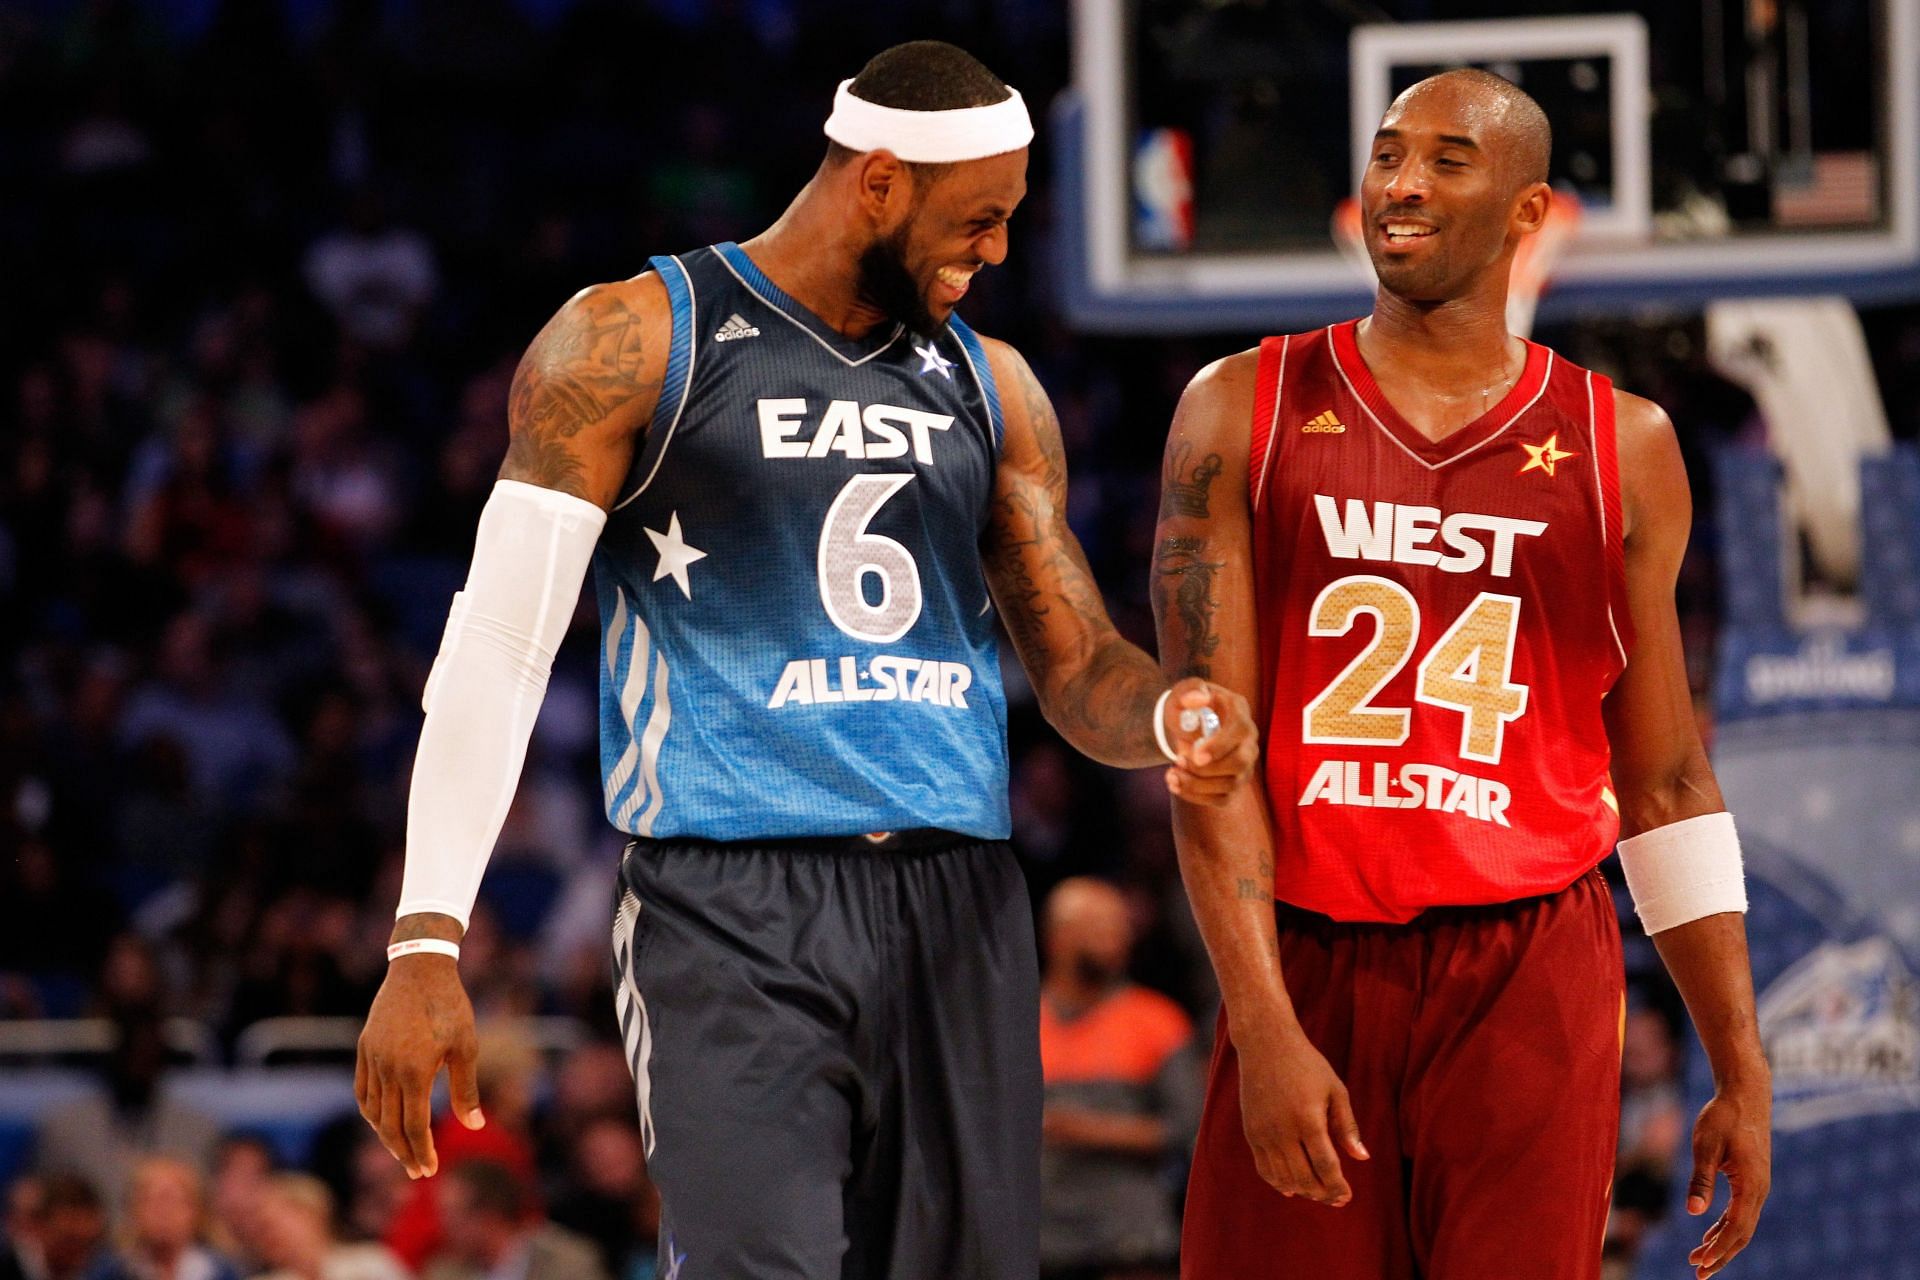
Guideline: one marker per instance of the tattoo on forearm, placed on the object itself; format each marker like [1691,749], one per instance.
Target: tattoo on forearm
[579,371]
[1052,607]
[1249,890]
[1033,555]
[1187,488]
[1184,581]
[1022,602]
[1111,700]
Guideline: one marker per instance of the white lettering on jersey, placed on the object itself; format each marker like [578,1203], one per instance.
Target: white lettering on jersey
[1404,534]
[847,429]
[808,682]
[1415,786]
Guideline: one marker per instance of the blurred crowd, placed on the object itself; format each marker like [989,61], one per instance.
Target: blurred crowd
[268,267]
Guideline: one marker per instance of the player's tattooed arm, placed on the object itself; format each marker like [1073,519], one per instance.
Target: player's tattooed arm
[1207,626]
[1297,1118]
[1097,688]
[1661,776]
[1184,565]
[586,389]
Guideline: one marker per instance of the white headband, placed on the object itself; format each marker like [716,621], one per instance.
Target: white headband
[930,137]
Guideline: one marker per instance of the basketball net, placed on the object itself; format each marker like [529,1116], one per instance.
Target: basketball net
[1533,262]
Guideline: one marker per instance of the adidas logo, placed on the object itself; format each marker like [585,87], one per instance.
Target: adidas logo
[1325,424]
[735,327]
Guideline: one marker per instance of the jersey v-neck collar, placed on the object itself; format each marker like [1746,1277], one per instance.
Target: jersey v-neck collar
[1456,444]
[850,350]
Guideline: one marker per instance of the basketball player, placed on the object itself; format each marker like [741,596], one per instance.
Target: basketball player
[1441,562]
[804,484]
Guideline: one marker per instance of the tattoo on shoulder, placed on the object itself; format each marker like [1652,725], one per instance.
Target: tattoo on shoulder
[1046,428]
[1184,579]
[1187,486]
[578,372]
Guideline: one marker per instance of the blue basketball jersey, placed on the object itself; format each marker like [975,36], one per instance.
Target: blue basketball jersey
[797,638]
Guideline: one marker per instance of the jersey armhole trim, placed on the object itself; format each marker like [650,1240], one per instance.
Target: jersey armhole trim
[976,354]
[1269,377]
[1606,479]
[678,381]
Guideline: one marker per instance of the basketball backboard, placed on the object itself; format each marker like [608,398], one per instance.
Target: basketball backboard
[1718,148]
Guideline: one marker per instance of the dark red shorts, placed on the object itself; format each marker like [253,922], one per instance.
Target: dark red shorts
[1481,1048]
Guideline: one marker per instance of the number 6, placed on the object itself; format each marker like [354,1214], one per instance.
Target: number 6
[848,553]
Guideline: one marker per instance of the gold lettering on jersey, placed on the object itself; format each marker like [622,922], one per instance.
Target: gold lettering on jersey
[1391,531]
[1413,786]
[845,428]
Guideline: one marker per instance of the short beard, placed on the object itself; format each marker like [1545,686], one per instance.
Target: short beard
[1096,972]
[886,283]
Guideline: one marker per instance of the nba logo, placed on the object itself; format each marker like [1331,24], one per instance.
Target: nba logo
[1163,189]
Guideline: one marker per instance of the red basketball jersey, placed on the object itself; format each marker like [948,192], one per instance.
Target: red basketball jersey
[1438,624]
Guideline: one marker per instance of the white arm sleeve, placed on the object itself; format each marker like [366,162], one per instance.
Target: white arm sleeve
[486,687]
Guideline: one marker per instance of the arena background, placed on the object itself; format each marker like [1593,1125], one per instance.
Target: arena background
[265,270]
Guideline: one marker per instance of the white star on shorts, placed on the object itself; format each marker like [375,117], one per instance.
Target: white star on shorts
[675,555]
[931,360]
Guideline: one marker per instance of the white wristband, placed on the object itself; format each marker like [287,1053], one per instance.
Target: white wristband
[417,946]
[1684,871]
[1160,726]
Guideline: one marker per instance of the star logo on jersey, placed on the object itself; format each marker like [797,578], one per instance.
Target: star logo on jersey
[932,361]
[1544,457]
[675,555]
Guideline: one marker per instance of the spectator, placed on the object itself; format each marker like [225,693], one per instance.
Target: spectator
[234,748]
[242,1167]
[166,1226]
[593,1082]
[1123,1096]
[23,1256]
[101,1136]
[374,277]
[51,919]
[495,1232]
[1653,1129]
[508,1070]
[380,1187]
[74,1230]
[297,1240]
[608,1197]
[1653,1123]
[344,476]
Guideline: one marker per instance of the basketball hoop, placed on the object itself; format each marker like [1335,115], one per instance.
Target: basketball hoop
[1533,262]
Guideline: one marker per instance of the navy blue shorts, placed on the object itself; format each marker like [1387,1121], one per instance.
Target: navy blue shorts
[836,1051]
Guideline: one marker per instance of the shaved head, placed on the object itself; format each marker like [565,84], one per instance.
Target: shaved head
[1083,901]
[1456,181]
[1089,931]
[1512,125]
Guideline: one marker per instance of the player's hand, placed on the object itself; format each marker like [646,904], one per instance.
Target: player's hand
[1296,1112]
[420,1019]
[1212,767]
[1734,1136]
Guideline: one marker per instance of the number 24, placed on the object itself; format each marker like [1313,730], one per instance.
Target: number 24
[1469,668]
